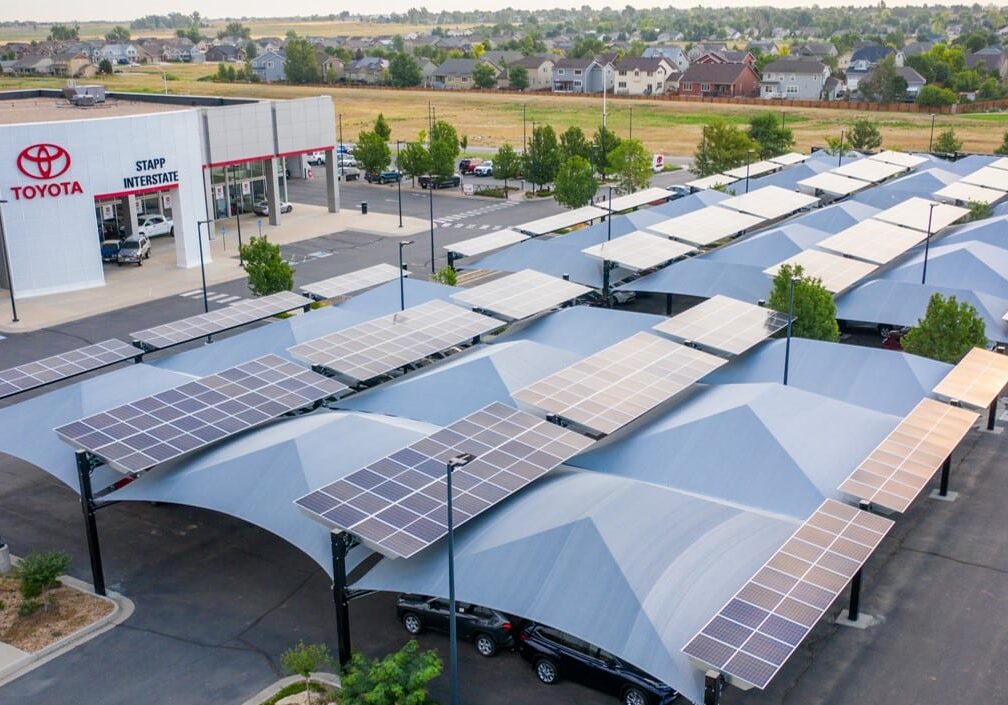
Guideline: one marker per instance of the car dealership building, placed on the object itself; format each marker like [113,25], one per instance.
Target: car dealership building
[63,182]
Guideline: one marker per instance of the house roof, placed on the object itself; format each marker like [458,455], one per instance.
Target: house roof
[818,48]
[910,75]
[812,66]
[582,63]
[457,67]
[532,62]
[871,53]
[714,73]
[639,63]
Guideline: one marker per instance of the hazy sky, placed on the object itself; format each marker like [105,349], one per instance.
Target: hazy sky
[63,10]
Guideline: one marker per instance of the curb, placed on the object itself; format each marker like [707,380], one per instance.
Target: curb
[122,608]
[271,690]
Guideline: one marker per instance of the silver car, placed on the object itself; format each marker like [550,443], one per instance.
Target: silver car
[134,250]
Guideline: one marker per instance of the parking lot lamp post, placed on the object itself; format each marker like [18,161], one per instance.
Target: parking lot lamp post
[238,210]
[631,122]
[399,179]
[749,153]
[7,265]
[790,318]
[931,139]
[402,290]
[202,264]
[927,242]
[840,151]
[456,462]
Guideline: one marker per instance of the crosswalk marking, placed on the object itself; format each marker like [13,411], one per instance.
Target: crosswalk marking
[218,297]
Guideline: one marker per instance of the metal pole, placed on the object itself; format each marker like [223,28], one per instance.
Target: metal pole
[787,345]
[631,122]
[340,543]
[202,264]
[340,118]
[402,289]
[398,180]
[748,159]
[238,210]
[854,606]
[927,243]
[991,414]
[931,139]
[609,217]
[946,468]
[90,525]
[840,151]
[455,462]
[7,264]
[430,183]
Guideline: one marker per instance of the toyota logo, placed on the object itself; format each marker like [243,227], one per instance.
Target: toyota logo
[43,161]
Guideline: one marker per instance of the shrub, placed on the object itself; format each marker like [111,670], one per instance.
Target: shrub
[39,571]
[446,276]
[28,608]
[268,273]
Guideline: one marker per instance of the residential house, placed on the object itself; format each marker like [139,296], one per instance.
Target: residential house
[794,79]
[265,44]
[332,68]
[701,48]
[123,53]
[719,80]
[993,59]
[672,82]
[917,48]
[33,65]
[833,88]
[427,70]
[819,50]
[269,66]
[225,52]
[763,46]
[864,59]
[727,57]
[72,64]
[501,59]
[457,74]
[675,55]
[369,69]
[579,76]
[914,81]
[540,72]
[640,76]
[177,49]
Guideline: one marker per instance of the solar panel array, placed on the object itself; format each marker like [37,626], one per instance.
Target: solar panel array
[382,345]
[611,388]
[139,435]
[521,294]
[707,225]
[988,177]
[899,468]
[567,219]
[977,380]
[222,319]
[724,323]
[352,282]
[964,193]
[754,169]
[487,243]
[638,198]
[1001,163]
[789,158]
[837,273]
[15,380]
[915,213]
[833,184]
[873,241]
[398,504]
[709,182]
[871,170]
[769,202]
[901,158]
[752,636]
[639,250]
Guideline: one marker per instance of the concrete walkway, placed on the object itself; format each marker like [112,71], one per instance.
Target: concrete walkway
[160,277]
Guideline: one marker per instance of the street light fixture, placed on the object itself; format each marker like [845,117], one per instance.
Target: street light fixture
[7,265]
[931,139]
[787,345]
[402,290]
[840,151]
[927,242]
[456,462]
[398,179]
[749,153]
[202,264]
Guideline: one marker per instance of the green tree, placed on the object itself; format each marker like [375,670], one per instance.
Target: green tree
[38,572]
[573,143]
[372,152]
[814,308]
[300,65]
[631,163]
[117,34]
[235,29]
[978,210]
[304,659]
[948,331]
[864,136]
[575,183]
[381,127]
[773,138]
[884,84]
[446,275]
[251,50]
[1003,148]
[604,141]
[105,67]
[585,46]
[414,160]
[947,142]
[404,71]
[400,678]
[444,149]
[506,165]
[64,33]
[934,96]
[721,147]
[484,76]
[268,272]
[542,158]
[518,78]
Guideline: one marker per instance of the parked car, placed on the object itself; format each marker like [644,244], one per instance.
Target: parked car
[678,190]
[442,182]
[555,655]
[262,207]
[390,176]
[892,338]
[344,148]
[346,160]
[484,169]
[487,629]
[349,173]
[466,166]
[134,249]
[111,228]
[316,158]
[154,225]
[110,250]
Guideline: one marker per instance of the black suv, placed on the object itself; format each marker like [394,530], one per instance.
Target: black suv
[554,654]
[488,629]
[440,182]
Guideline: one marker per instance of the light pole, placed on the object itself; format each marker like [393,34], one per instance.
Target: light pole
[840,151]
[402,290]
[927,242]
[238,210]
[524,145]
[931,139]
[7,266]
[202,265]
[787,345]
[631,122]
[749,153]
[456,462]
[398,179]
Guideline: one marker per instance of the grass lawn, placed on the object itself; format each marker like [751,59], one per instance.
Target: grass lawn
[490,119]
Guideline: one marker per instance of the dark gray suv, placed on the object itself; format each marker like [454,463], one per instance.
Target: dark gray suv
[487,629]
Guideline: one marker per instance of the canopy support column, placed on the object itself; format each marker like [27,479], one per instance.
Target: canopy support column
[341,545]
[84,469]
[713,685]
[668,304]
[605,284]
[991,414]
[943,493]
[854,605]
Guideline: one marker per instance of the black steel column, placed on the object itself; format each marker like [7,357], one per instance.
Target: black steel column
[713,685]
[854,606]
[605,281]
[90,525]
[340,547]
[668,304]
[991,413]
[946,468]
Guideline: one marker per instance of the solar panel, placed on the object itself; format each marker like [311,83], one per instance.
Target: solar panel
[754,169]
[398,504]
[752,636]
[563,220]
[961,192]
[914,213]
[833,184]
[139,435]
[487,243]
[837,273]
[977,380]
[639,250]
[218,321]
[901,158]
[31,375]
[382,345]
[723,323]
[638,198]
[611,388]
[352,282]
[988,177]
[1001,163]
[769,202]
[869,170]
[707,225]
[712,181]
[521,294]
[895,472]
[789,158]
[873,241]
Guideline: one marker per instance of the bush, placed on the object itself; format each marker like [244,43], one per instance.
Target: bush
[28,608]
[398,679]
[39,571]
[268,273]
[948,330]
[302,659]
[446,276]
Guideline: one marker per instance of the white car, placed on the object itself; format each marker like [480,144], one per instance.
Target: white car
[316,158]
[347,160]
[154,225]
[484,169]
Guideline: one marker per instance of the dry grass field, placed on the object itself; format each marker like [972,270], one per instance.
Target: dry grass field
[490,119]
